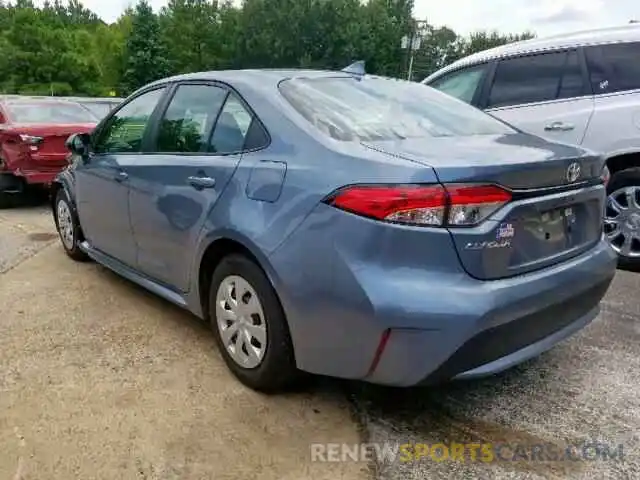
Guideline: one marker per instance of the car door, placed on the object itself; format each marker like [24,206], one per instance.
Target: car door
[614,73]
[545,94]
[200,138]
[102,188]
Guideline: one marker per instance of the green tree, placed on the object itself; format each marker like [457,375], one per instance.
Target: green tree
[62,47]
[145,58]
[191,31]
[483,40]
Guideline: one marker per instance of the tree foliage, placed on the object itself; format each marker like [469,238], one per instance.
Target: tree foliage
[63,48]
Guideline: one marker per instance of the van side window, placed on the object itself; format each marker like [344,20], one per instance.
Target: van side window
[536,78]
[614,68]
[572,83]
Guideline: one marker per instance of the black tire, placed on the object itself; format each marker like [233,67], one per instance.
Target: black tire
[277,371]
[73,250]
[625,178]
[11,191]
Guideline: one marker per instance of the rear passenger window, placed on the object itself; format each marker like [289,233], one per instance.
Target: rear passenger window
[536,78]
[236,129]
[186,124]
[614,68]
[572,84]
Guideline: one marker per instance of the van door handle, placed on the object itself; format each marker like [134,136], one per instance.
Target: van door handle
[121,176]
[559,127]
[200,183]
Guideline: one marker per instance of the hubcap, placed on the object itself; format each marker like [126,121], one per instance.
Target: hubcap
[241,321]
[65,224]
[622,221]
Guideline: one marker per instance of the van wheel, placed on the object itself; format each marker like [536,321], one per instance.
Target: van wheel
[250,327]
[622,217]
[68,227]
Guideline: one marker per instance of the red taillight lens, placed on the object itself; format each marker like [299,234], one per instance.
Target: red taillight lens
[605,175]
[402,203]
[429,205]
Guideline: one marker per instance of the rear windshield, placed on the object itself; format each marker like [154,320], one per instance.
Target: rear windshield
[374,108]
[100,109]
[49,112]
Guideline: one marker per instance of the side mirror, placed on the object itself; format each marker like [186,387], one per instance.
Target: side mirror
[78,144]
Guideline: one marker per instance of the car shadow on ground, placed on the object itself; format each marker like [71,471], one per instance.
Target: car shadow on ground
[29,199]
[540,402]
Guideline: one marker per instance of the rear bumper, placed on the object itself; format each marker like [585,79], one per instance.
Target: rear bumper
[38,177]
[364,281]
[527,316]
[37,169]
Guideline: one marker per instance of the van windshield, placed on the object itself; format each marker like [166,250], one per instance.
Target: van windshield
[375,108]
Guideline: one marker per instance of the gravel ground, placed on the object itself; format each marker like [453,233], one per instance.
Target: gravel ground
[99,379]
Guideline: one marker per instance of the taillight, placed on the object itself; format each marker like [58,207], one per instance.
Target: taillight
[605,175]
[471,204]
[429,205]
[30,139]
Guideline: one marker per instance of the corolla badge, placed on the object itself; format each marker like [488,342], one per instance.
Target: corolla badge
[573,172]
[487,245]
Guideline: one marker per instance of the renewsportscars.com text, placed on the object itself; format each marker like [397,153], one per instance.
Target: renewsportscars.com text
[465,452]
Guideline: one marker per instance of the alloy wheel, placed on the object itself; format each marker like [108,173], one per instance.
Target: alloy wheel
[622,221]
[241,321]
[65,224]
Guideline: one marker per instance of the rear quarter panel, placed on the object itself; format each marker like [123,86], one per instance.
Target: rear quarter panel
[316,165]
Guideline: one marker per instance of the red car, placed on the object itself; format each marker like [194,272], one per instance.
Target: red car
[33,132]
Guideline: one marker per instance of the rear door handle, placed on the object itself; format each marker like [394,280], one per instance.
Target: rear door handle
[200,183]
[121,176]
[559,127]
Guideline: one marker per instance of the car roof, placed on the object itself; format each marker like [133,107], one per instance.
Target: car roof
[31,98]
[95,99]
[252,77]
[7,99]
[626,33]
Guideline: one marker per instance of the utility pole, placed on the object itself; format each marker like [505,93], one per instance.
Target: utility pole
[412,43]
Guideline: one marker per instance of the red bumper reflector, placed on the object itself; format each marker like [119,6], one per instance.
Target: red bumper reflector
[384,339]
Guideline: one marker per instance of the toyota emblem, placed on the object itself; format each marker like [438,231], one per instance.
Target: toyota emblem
[573,172]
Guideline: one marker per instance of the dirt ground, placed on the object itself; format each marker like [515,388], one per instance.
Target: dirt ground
[102,380]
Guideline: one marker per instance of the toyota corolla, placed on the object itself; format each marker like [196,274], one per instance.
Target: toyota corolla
[341,224]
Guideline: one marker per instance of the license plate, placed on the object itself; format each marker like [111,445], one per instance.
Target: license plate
[558,221]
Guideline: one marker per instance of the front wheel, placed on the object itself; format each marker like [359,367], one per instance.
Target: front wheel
[622,217]
[68,227]
[250,326]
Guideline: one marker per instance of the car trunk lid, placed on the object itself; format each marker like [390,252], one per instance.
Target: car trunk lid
[45,143]
[557,198]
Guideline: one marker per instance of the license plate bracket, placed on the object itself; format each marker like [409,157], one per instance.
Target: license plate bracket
[558,222]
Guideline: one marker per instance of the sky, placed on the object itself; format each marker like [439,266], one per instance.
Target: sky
[545,17]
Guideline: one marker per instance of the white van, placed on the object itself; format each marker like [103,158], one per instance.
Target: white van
[581,88]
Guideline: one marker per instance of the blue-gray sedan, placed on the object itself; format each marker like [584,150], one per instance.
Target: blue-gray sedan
[341,224]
